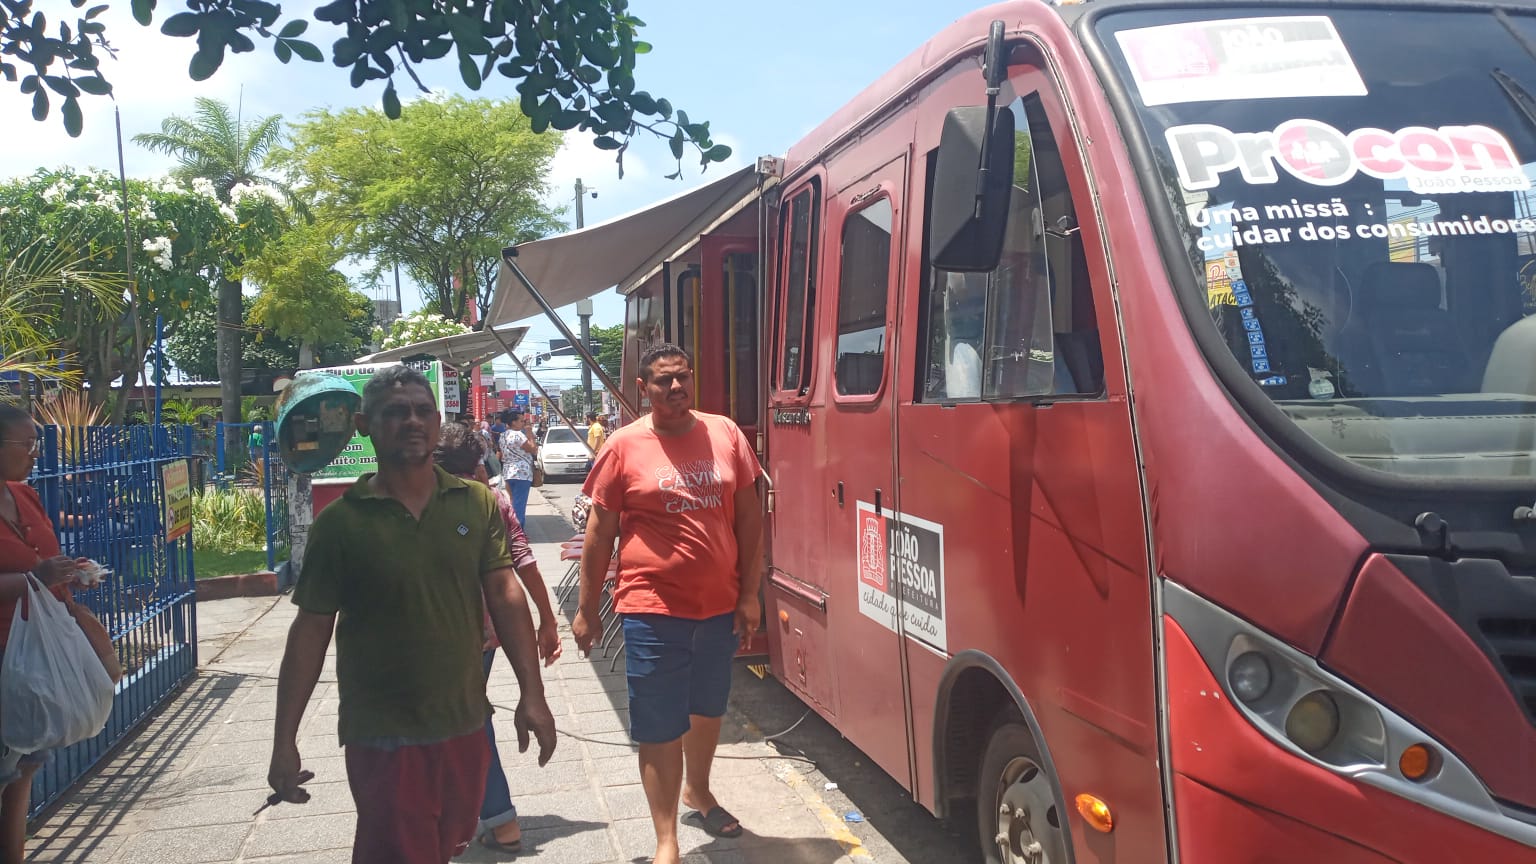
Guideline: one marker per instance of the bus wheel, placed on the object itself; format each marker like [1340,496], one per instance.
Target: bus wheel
[1016,813]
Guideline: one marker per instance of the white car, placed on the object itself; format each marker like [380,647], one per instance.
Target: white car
[563,453]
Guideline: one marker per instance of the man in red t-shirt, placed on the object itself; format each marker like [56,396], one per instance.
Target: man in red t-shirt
[678,489]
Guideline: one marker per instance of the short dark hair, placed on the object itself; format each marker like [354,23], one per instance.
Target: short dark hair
[388,379]
[511,414]
[12,417]
[459,449]
[657,352]
[592,416]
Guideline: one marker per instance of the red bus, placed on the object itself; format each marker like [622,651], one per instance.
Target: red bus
[1148,395]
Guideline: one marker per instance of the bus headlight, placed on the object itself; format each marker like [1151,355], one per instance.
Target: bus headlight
[1313,722]
[1250,676]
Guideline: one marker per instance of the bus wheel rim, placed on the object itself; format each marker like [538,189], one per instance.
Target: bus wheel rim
[1025,834]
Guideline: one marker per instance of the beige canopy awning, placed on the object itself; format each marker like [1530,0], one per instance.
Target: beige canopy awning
[461,351]
[589,261]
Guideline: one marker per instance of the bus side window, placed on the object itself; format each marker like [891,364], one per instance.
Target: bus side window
[798,233]
[862,298]
[1026,329]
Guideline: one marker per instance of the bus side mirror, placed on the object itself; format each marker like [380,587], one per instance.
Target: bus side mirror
[314,420]
[969,208]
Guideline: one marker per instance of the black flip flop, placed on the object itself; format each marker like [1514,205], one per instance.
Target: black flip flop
[715,823]
[489,841]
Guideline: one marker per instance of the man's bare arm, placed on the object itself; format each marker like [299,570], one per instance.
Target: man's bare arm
[596,555]
[508,606]
[308,639]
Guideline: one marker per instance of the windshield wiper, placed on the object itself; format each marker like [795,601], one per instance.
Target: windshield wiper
[1518,96]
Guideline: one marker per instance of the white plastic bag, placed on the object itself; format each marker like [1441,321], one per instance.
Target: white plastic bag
[53,689]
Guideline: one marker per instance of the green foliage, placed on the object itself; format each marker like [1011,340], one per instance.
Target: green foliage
[419,326]
[185,412]
[229,520]
[574,60]
[192,347]
[438,192]
[183,238]
[35,281]
[303,297]
[610,351]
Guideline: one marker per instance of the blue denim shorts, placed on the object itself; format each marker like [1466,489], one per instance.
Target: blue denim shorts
[677,667]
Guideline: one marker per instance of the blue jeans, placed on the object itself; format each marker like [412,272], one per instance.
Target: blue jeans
[496,808]
[519,490]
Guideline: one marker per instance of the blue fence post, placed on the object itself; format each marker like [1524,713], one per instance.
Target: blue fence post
[266,482]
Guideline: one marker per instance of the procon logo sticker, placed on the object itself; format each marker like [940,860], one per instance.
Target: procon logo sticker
[1447,159]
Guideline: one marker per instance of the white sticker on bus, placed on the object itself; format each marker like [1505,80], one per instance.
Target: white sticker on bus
[1240,58]
[901,566]
[1447,159]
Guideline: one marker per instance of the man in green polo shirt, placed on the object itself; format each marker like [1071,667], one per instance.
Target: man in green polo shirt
[397,569]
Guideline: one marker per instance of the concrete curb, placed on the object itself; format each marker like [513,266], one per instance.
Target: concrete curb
[259,584]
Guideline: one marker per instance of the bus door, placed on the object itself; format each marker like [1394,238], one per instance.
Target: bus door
[799,578]
[1017,461]
[729,300]
[685,297]
[859,425]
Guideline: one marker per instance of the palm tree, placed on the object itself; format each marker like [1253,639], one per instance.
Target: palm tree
[32,281]
[227,151]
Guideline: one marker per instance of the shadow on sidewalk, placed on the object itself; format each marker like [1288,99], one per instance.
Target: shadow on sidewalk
[87,815]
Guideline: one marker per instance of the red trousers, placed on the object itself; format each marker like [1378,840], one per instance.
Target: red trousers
[417,804]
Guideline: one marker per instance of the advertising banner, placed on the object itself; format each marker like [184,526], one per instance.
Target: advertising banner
[178,499]
[358,458]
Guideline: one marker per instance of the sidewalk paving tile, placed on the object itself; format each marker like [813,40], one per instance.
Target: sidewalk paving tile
[303,834]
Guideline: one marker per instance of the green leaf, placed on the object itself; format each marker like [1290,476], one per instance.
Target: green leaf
[391,102]
[293,28]
[73,121]
[95,10]
[40,105]
[182,24]
[436,49]
[642,47]
[469,70]
[144,11]
[606,142]
[346,51]
[306,50]
[61,85]
[281,49]
[677,145]
[205,63]
[664,108]
[94,85]
[682,118]
[642,102]
[717,153]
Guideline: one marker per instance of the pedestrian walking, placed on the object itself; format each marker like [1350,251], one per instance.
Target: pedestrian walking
[677,489]
[517,451]
[597,433]
[411,558]
[460,452]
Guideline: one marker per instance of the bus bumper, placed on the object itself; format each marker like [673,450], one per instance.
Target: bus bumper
[1238,797]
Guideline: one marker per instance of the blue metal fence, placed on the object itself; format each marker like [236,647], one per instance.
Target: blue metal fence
[231,457]
[104,489]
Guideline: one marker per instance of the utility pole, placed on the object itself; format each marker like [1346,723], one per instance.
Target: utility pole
[584,312]
[584,307]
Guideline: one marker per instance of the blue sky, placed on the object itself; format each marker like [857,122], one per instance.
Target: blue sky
[762,75]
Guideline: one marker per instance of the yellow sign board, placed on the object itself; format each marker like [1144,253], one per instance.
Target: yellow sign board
[178,499]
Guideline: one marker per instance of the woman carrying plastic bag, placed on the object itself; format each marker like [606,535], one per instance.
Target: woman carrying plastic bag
[27,545]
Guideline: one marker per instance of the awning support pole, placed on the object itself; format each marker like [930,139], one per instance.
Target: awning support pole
[509,257]
[553,405]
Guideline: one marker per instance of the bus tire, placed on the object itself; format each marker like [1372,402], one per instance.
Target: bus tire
[1016,815]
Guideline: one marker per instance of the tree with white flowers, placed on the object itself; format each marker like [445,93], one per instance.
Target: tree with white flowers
[183,240]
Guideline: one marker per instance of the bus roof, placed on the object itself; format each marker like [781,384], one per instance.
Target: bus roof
[970,32]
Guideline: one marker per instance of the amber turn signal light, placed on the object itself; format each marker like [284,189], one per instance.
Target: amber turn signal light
[1096,813]
[1417,762]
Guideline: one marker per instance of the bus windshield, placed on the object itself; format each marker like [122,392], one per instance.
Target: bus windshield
[1353,189]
